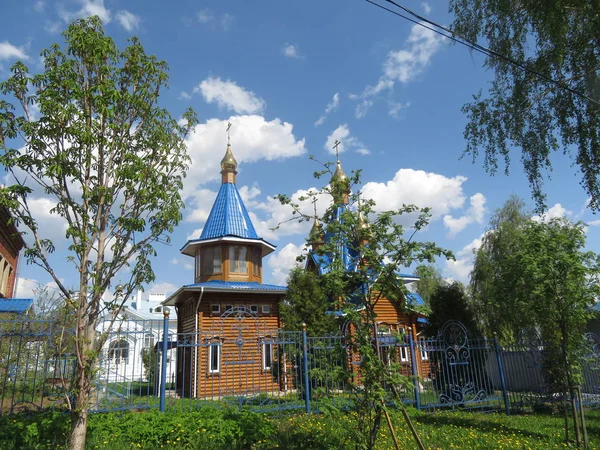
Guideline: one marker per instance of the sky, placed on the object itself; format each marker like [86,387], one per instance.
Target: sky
[291,78]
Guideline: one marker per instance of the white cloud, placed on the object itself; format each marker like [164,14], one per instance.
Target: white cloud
[331,106]
[128,20]
[51,226]
[461,268]
[426,7]
[200,203]
[10,51]
[184,96]
[402,66]
[227,21]
[252,138]
[195,234]
[394,108]
[88,8]
[282,261]
[346,140]
[554,212]
[205,16]
[227,94]
[291,51]
[424,189]
[162,288]
[474,214]
[39,6]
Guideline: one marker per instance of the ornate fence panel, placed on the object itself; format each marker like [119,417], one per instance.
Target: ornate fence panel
[459,371]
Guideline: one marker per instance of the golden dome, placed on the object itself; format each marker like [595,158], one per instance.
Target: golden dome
[339,174]
[228,163]
[316,235]
[361,222]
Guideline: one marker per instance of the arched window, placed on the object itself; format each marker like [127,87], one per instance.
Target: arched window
[118,351]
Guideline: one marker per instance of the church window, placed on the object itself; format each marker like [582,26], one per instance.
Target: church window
[256,260]
[423,348]
[214,356]
[212,260]
[237,259]
[148,340]
[267,353]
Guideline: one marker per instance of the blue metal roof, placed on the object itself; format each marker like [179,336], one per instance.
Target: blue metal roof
[228,216]
[414,299]
[236,285]
[15,305]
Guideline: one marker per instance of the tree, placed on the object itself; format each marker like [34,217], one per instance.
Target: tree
[305,302]
[451,302]
[363,261]
[495,296]
[537,275]
[554,104]
[559,280]
[112,161]
[430,279]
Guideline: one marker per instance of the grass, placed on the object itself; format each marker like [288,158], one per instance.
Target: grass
[211,428]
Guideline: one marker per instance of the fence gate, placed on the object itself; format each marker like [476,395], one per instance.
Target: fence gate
[459,371]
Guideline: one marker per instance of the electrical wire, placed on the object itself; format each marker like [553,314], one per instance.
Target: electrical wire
[449,34]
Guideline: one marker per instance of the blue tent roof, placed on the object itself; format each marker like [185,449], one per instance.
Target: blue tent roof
[415,299]
[228,216]
[15,305]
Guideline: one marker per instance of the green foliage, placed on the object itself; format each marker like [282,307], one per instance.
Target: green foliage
[559,40]
[306,302]
[224,430]
[450,302]
[149,360]
[497,305]
[430,279]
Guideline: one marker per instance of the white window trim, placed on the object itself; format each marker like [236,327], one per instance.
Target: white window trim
[267,343]
[212,308]
[211,348]
[254,308]
[423,349]
[265,309]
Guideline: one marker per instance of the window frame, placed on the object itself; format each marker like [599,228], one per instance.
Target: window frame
[215,308]
[235,260]
[214,343]
[423,348]
[267,350]
[267,307]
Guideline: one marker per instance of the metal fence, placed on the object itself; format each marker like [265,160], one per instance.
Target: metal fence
[240,362]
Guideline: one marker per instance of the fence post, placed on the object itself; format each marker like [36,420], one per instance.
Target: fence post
[501,373]
[305,360]
[413,360]
[163,359]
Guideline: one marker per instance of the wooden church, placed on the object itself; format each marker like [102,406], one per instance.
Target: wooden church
[227,319]
[393,318]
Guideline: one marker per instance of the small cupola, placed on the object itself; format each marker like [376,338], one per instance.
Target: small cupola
[228,165]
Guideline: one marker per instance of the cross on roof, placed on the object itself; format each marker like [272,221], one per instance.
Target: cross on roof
[337,152]
[315,205]
[228,127]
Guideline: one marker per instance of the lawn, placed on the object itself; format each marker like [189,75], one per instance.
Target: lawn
[211,428]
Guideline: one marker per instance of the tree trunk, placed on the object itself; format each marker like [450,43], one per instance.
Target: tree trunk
[79,413]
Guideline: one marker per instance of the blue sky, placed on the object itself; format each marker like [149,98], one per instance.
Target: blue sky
[292,77]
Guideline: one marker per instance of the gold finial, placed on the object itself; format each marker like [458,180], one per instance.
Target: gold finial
[316,235]
[337,153]
[228,163]
[361,222]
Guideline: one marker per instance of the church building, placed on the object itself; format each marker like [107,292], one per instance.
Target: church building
[228,318]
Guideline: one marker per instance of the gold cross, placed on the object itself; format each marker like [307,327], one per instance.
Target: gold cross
[228,127]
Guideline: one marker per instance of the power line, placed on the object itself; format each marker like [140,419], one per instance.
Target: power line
[449,34]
